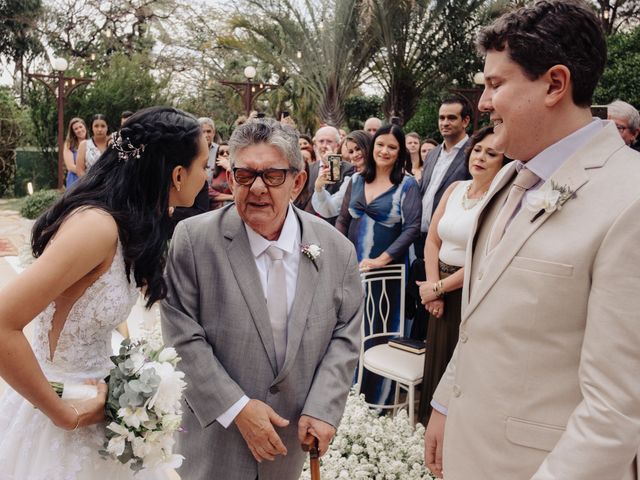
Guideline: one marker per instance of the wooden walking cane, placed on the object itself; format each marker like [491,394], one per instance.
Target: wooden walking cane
[314,460]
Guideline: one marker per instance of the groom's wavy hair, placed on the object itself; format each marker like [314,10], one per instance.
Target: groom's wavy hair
[548,33]
[134,191]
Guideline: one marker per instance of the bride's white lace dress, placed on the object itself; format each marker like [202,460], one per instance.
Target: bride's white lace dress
[31,446]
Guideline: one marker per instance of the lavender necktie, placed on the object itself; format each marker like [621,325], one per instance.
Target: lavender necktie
[277,302]
[523,182]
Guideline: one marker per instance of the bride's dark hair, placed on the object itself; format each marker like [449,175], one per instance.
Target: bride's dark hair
[134,191]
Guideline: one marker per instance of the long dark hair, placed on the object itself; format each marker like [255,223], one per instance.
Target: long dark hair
[399,167]
[134,191]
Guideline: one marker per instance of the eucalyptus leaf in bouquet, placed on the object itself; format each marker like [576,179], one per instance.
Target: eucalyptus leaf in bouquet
[143,409]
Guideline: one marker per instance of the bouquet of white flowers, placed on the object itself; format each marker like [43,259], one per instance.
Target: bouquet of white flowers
[143,408]
[368,446]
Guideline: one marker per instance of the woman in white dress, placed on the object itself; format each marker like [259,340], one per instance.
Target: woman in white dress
[444,254]
[89,150]
[101,241]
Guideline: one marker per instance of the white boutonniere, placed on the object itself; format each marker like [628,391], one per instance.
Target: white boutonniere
[549,198]
[312,252]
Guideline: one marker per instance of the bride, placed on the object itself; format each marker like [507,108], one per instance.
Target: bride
[101,241]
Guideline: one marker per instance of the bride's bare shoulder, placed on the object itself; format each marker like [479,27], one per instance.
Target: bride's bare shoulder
[97,224]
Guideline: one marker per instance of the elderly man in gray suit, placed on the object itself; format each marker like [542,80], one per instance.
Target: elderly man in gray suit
[266,323]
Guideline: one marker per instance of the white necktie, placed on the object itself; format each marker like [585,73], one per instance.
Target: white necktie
[523,182]
[277,302]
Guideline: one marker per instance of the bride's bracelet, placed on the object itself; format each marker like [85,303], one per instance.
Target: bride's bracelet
[438,289]
[77,417]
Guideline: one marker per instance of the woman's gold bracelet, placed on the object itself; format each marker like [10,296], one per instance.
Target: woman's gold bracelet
[77,417]
[438,289]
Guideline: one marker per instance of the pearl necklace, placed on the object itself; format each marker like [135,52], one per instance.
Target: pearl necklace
[469,203]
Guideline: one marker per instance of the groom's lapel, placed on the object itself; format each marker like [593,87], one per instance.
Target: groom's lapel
[246,273]
[306,284]
[572,174]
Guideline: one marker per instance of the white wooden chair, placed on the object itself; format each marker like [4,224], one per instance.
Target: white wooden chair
[402,367]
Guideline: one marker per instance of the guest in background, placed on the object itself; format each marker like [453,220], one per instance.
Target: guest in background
[382,221]
[444,254]
[326,142]
[413,147]
[627,120]
[427,145]
[90,149]
[371,125]
[209,130]
[76,133]
[358,144]
[219,191]
[305,142]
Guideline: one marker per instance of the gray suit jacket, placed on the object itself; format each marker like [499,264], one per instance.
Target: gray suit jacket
[215,315]
[457,171]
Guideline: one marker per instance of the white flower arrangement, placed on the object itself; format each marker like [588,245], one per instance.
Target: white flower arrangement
[143,409]
[549,198]
[312,252]
[368,446]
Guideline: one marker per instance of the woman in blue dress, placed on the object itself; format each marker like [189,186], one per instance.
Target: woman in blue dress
[382,221]
[76,133]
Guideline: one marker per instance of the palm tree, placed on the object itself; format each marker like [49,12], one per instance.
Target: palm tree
[425,45]
[324,46]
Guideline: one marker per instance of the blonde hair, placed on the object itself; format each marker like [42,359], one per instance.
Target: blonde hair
[72,140]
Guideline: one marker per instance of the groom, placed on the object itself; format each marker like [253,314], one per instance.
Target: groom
[543,384]
[267,325]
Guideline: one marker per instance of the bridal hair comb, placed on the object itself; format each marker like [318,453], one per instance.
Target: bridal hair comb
[125,148]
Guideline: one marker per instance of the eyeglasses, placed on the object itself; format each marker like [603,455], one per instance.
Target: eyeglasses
[223,152]
[272,177]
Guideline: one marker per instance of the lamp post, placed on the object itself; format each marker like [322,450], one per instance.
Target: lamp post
[61,87]
[248,90]
[472,95]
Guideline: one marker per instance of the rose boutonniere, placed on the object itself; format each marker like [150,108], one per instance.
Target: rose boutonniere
[549,198]
[312,252]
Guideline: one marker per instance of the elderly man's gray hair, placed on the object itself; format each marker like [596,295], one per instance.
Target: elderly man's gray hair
[271,132]
[625,111]
[207,121]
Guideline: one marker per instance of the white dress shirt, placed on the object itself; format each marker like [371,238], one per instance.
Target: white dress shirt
[443,162]
[289,242]
[545,164]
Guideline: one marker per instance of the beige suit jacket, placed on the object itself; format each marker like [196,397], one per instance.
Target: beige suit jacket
[545,379]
